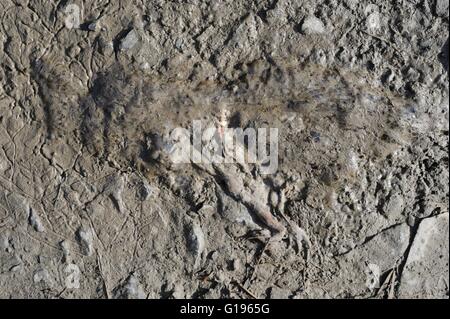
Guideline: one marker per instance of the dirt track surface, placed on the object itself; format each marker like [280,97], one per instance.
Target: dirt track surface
[91,205]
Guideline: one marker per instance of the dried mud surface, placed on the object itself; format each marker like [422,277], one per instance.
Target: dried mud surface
[91,207]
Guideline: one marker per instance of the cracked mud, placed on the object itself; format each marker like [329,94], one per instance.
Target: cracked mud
[92,205]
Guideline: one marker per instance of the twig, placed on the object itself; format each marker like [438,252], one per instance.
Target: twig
[248,292]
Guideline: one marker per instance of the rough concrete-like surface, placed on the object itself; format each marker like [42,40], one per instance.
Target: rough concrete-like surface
[92,207]
[426,268]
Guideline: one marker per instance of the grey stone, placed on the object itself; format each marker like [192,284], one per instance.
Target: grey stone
[85,238]
[35,221]
[426,270]
[129,41]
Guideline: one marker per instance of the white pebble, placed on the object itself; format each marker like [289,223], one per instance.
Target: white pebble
[35,221]
[312,25]
[373,21]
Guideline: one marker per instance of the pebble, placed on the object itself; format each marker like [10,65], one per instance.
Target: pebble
[411,221]
[274,199]
[4,241]
[196,242]
[35,221]
[86,241]
[373,21]
[129,41]
[130,290]
[196,239]
[114,187]
[93,26]
[312,25]
[65,246]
